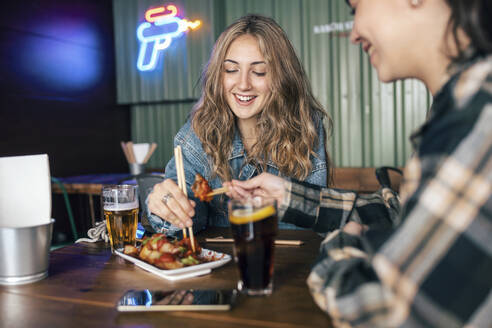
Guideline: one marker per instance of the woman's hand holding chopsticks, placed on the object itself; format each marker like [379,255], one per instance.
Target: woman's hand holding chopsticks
[169,202]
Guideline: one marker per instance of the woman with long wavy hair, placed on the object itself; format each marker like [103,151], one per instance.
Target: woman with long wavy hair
[256,114]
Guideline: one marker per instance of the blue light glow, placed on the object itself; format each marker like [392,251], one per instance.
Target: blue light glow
[62,66]
[63,58]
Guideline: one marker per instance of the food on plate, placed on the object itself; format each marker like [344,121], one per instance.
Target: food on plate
[201,188]
[166,254]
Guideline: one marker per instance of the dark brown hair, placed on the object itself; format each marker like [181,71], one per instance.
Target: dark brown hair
[474,17]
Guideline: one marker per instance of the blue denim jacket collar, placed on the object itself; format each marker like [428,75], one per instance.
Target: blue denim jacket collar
[246,171]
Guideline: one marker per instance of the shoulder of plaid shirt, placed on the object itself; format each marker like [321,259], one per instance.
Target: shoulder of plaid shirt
[427,262]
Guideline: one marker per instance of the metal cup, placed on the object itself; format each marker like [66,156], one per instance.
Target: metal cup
[24,253]
[136,168]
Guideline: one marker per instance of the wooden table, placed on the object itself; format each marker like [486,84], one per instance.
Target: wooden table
[90,185]
[85,281]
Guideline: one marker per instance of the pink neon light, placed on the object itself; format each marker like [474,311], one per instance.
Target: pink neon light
[153,14]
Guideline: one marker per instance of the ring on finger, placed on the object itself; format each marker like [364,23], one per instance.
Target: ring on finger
[166,198]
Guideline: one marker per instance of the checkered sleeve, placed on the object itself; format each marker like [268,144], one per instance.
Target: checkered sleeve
[304,208]
[344,284]
[327,209]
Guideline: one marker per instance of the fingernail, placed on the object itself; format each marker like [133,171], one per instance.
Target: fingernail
[189,223]
[181,225]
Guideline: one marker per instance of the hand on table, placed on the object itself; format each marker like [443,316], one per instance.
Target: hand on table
[265,184]
[169,203]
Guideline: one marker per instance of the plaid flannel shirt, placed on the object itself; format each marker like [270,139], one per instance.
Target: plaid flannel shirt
[429,262]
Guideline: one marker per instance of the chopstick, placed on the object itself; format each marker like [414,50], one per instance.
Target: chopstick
[277,241]
[178,156]
[131,154]
[218,191]
[178,159]
[125,151]
[153,146]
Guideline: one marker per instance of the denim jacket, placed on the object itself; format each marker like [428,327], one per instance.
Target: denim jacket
[195,161]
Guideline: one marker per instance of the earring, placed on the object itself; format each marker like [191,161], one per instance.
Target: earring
[415,3]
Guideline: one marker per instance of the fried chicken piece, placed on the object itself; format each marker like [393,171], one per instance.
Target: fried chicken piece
[201,188]
[186,243]
[164,253]
[168,261]
[130,250]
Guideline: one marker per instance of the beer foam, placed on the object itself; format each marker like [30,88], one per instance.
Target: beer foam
[121,207]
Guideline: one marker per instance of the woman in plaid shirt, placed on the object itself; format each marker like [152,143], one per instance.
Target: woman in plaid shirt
[428,261]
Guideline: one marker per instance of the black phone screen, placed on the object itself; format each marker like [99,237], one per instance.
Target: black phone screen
[177,300]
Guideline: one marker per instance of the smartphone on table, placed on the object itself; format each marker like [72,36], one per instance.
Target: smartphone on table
[177,300]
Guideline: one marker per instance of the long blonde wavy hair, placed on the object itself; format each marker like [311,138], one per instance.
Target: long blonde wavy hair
[286,125]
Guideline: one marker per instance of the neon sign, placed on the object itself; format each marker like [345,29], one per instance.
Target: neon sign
[156,34]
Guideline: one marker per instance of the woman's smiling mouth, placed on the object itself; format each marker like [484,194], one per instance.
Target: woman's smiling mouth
[244,100]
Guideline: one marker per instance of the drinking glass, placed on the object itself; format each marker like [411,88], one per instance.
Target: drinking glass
[120,203]
[254,227]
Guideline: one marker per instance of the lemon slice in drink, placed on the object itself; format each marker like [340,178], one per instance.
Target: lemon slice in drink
[242,216]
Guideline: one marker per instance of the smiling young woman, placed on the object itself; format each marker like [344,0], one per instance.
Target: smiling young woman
[256,114]
[255,72]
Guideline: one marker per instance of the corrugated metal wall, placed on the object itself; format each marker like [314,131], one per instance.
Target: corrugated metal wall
[372,121]
[158,123]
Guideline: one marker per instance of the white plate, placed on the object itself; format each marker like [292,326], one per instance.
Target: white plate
[185,272]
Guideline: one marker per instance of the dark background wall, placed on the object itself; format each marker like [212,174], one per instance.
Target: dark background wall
[57,81]
[57,84]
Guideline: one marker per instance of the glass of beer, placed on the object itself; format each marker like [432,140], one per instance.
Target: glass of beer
[120,203]
[254,227]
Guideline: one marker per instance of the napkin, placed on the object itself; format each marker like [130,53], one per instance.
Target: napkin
[140,150]
[25,191]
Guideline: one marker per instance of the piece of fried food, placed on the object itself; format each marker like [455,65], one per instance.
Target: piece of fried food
[165,254]
[201,188]
[130,250]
